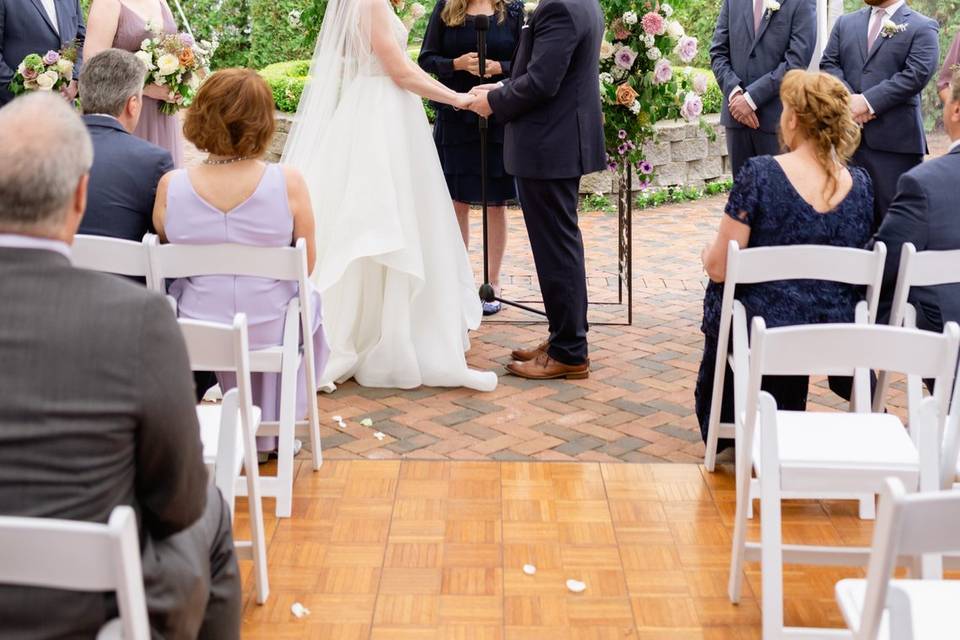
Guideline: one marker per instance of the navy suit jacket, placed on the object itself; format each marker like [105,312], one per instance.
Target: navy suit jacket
[25,28]
[551,104]
[924,213]
[891,76]
[123,181]
[757,60]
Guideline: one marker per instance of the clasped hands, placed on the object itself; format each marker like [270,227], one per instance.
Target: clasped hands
[476,100]
[860,110]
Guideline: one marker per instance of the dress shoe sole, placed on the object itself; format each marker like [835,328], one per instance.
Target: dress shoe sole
[570,375]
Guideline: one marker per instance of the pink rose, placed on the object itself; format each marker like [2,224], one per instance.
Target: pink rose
[653,24]
[662,71]
[687,49]
[30,74]
[700,83]
[692,107]
[51,57]
[625,58]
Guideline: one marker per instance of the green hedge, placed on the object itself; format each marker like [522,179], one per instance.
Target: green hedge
[286,80]
[277,32]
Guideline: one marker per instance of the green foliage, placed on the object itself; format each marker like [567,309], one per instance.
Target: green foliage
[673,195]
[227,22]
[277,32]
[699,17]
[286,80]
[597,202]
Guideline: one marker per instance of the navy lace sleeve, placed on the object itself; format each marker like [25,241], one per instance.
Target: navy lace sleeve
[743,205]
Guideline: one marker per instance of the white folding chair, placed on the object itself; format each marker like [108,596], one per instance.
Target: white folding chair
[80,556]
[770,264]
[822,453]
[290,264]
[111,255]
[228,430]
[880,608]
[923,269]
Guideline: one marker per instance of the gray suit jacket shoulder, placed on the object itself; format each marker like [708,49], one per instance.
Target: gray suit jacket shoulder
[924,213]
[757,60]
[96,410]
[891,75]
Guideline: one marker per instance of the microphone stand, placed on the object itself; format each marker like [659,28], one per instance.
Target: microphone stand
[487,292]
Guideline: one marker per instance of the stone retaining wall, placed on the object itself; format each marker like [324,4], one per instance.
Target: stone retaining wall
[681,154]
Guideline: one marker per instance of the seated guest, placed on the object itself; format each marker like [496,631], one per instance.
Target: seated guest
[98,408]
[948,70]
[126,169]
[924,212]
[806,196]
[235,197]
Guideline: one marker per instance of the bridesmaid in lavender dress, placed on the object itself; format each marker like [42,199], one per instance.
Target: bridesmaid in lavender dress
[236,198]
[122,24]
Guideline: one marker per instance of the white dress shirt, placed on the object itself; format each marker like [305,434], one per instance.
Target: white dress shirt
[51,9]
[955,145]
[16,241]
[889,11]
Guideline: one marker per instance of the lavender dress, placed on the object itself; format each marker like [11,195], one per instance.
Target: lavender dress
[155,127]
[264,220]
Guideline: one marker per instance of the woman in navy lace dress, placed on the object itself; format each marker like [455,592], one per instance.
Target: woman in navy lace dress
[450,53]
[806,196]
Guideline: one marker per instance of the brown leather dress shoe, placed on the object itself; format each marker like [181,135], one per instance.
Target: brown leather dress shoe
[526,355]
[543,367]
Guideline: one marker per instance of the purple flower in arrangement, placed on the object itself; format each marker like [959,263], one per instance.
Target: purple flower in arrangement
[692,107]
[687,49]
[625,57]
[662,71]
[622,134]
[622,149]
[631,146]
[186,40]
[645,167]
[29,73]
[51,57]
[645,185]
[653,24]
[700,83]
[612,166]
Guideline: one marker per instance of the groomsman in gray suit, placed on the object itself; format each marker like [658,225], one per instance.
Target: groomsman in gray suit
[37,26]
[97,402]
[755,44]
[886,53]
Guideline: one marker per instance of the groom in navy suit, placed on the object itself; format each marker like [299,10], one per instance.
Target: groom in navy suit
[886,54]
[36,26]
[554,136]
[754,46]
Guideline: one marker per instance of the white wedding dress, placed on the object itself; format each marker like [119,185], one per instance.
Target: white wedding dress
[398,291]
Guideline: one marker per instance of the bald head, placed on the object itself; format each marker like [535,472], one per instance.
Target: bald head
[46,154]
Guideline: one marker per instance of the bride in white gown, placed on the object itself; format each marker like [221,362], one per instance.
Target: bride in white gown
[398,290]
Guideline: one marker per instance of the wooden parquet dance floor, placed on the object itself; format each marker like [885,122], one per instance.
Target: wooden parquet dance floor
[411,550]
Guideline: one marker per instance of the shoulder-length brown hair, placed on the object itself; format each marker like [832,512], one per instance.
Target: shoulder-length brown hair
[454,12]
[232,115]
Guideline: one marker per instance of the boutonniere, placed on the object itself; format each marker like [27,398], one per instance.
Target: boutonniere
[528,9]
[891,28]
[772,7]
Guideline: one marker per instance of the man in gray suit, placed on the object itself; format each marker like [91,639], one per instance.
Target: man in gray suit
[756,42]
[96,402]
[37,26]
[886,54]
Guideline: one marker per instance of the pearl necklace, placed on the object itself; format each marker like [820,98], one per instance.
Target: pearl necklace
[208,161]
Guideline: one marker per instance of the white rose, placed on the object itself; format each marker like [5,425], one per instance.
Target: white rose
[772,5]
[606,78]
[21,68]
[606,50]
[145,58]
[417,10]
[65,67]
[675,29]
[649,40]
[654,53]
[46,80]
[630,17]
[666,9]
[168,64]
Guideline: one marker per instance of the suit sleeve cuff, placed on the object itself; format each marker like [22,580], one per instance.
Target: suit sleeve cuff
[746,96]
[733,93]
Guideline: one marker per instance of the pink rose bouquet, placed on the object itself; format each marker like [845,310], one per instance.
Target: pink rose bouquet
[176,62]
[52,71]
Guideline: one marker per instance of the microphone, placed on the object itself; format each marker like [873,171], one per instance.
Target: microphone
[482,24]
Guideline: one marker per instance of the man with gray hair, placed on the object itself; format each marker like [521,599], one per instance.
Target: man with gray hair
[97,405]
[126,169]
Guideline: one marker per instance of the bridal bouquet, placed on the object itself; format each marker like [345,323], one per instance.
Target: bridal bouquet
[52,71]
[178,63]
[640,82]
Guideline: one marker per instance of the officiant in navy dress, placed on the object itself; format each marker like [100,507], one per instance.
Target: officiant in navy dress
[450,53]
[36,26]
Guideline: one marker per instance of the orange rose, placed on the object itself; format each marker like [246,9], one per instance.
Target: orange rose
[186,58]
[626,95]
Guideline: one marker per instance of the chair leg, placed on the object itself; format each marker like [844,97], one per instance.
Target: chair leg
[771,555]
[739,545]
[716,399]
[257,534]
[287,433]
